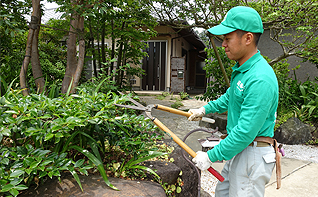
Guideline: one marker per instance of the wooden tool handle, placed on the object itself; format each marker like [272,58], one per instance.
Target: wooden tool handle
[174,137]
[172,110]
[185,147]
[182,113]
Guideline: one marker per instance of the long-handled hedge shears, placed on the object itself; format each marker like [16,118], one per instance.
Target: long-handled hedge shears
[161,126]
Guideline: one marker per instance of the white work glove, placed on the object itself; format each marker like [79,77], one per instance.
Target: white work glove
[202,160]
[197,114]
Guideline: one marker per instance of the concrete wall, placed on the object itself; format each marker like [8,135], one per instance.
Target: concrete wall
[272,49]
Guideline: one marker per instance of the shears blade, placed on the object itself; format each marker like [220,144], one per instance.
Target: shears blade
[132,100]
[132,107]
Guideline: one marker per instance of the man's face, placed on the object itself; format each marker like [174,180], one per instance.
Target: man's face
[233,46]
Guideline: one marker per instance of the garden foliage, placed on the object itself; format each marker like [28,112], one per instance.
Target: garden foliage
[44,136]
[216,86]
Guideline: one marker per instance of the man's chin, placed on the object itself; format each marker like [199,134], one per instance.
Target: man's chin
[228,54]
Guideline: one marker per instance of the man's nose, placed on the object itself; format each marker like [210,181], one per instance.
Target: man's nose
[224,43]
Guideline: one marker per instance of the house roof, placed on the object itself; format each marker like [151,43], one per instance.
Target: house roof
[51,13]
[186,33]
[190,36]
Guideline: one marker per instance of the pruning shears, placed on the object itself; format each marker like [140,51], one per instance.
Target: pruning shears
[161,126]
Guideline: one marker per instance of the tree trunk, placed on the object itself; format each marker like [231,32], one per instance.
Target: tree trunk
[103,42]
[119,57]
[113,48]
[36,66]
[25,64]
[94,60]
[71,53]
[120,52]
[122,72]
[227,81]
[92,47]
[33,26]
[81,55]
[98,51]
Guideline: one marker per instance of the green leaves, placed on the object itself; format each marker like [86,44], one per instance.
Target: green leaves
[97,162]
[79,163]
[131,164]
[16,173]
[48,136]
[5,161]
[5,132]
[308,109]
[218,86]
[12,189]
[25,163]
[44,136]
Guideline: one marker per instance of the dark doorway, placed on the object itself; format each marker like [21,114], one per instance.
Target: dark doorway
[200,74]
[155,66]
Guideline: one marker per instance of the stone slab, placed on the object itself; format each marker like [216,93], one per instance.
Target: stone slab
[94,186]
[300,183]
[288,166]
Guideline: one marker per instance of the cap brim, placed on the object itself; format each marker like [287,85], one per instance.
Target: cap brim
[221,30]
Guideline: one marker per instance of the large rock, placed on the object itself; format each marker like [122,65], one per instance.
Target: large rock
[189,174]
[94,186]
[293,131]
[167,171]
[220,122]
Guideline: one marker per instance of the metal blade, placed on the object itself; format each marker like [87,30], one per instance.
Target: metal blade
[132,107]
[148,113]
[209,120]
[132,100]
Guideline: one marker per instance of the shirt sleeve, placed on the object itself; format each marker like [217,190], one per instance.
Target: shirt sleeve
[220,105]
[255,109]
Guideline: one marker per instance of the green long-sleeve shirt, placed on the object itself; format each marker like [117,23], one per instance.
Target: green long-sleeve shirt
[251,102]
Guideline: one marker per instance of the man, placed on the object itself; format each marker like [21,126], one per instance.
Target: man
[251,103]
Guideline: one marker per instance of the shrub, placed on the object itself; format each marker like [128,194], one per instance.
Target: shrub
[42,136]
[309,104]
[176,104]
[183,95]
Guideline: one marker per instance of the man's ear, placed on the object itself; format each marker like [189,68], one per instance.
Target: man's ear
[249,37]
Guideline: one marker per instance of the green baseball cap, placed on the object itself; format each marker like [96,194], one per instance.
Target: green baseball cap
[240,17]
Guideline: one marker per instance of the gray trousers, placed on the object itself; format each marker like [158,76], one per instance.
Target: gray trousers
[246,174]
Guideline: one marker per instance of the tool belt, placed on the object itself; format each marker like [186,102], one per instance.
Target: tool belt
[273,142]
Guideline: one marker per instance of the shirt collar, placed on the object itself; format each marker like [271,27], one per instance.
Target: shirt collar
[248,64]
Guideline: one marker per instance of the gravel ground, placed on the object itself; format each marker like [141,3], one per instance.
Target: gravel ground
[208,182]
[300,152]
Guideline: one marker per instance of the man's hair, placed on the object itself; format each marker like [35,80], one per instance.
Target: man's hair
[256,35]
